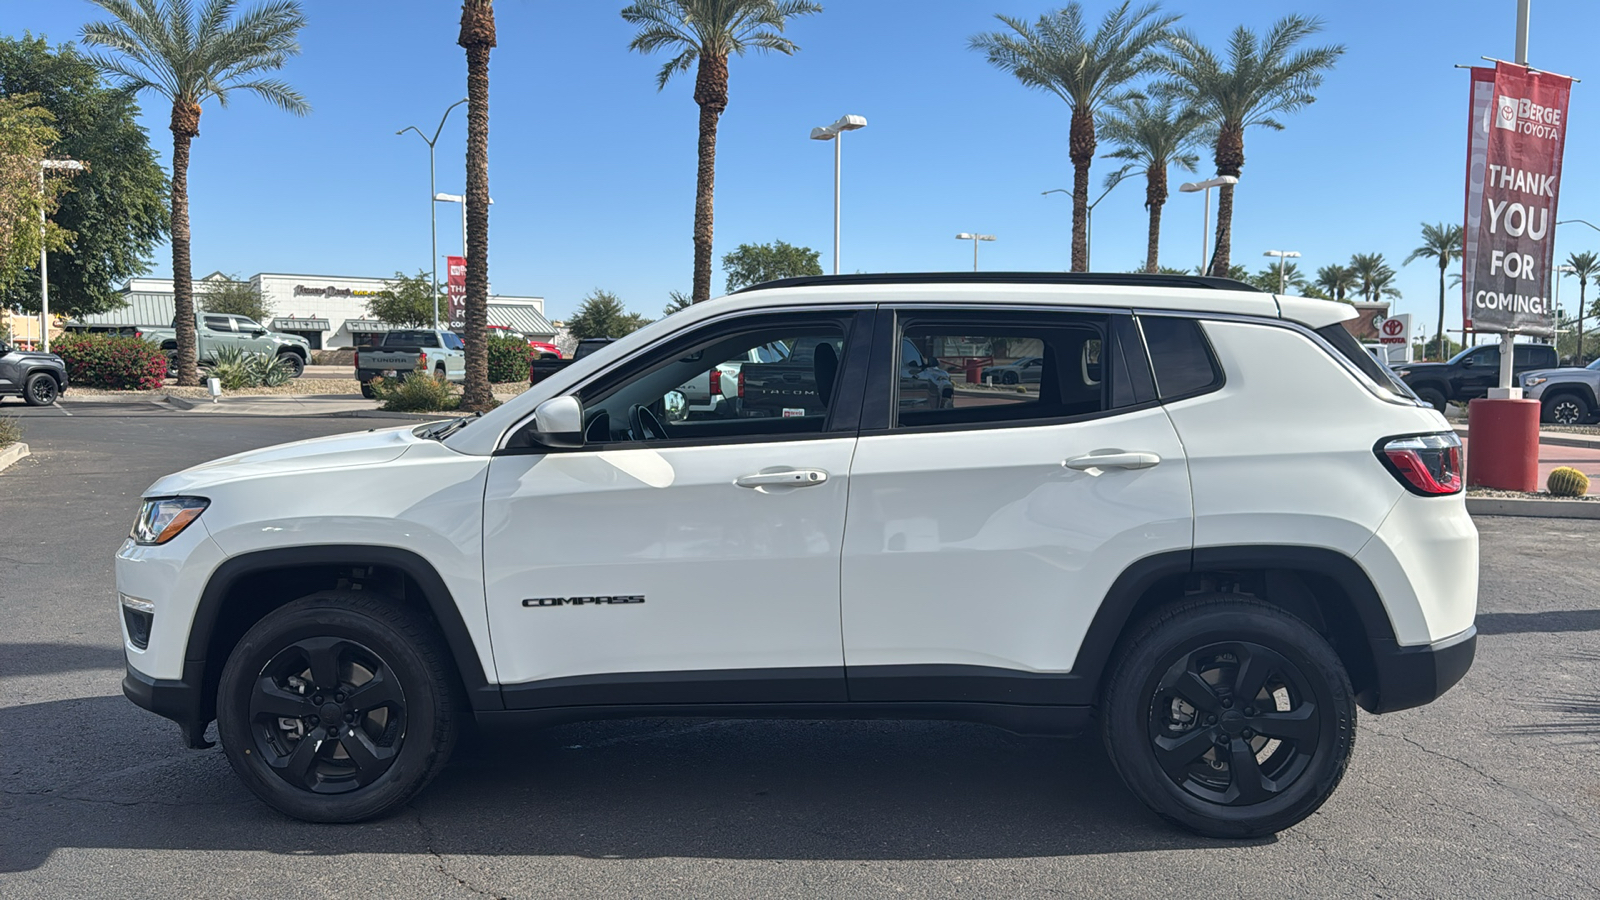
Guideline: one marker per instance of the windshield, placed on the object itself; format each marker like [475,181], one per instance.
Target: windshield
[1468,352]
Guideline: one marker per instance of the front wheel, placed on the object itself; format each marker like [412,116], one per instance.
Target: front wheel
[337,707]
[1229,717]
[40,390]
[1566,409]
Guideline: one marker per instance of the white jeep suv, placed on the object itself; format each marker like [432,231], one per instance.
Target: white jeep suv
[1211,530]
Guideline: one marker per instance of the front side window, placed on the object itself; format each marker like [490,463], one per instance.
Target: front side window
[452,342]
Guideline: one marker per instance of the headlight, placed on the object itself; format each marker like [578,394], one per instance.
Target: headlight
[1532,380]
[162,520]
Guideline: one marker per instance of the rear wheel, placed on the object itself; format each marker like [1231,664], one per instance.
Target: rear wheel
[367,391]
[337,707]
[1433,397]
[438,372]
[1010,378]
[1566,409]
[1229,717]
[41,389]
[297,366]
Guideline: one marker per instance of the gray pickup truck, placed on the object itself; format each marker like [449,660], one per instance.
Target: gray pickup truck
[214,331]
[1567,396]
[404,352]
[39,377]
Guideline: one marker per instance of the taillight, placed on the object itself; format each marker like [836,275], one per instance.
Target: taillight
[741,384]
[716,383]
[1427,464]
[422,360]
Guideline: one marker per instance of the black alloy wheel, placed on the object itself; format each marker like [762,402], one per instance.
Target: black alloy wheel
[297,366]
[1228,716]
[1566,409]
[41,389]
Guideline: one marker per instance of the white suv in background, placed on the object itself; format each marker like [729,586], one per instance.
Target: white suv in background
[1212,529]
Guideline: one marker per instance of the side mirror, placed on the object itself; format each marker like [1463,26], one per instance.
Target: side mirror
[259,332]
[558,422]
[1470,361]
[675,405]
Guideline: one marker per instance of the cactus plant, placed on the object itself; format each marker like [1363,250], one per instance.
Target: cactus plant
[1567,482]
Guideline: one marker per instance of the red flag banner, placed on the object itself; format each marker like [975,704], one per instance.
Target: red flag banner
[456,291]
[1516,137]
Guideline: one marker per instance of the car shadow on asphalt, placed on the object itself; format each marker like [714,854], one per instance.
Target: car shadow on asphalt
[643,788]
[1549,622]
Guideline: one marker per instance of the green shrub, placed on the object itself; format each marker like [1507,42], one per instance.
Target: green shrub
[238,368]
[419,394]
[10,431]
[508,359]
[111,362]
[1565,481]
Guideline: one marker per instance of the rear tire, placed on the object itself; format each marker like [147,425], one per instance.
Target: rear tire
[40,389]
[338,707]
[1433,397]
[1565,409]
[297,366]
[367,391]
[438,372]
[1221,683]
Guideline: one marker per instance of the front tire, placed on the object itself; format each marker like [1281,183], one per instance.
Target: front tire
[1229,717]
[338,707]
[1433,397]
[297,366]
[40,389]
[1565,409]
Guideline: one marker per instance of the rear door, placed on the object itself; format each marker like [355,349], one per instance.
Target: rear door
[981,538]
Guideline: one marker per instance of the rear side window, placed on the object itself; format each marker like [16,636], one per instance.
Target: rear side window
[1351,349]
[1181,357]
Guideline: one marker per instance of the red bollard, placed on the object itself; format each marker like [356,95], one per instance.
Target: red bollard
[1503,444]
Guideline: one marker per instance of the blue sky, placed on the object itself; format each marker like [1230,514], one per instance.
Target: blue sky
[592,170]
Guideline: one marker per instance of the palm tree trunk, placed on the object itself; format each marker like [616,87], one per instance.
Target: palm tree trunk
[1230,160]
[1155,194]
[711,93]
[1080,147]
[1445,264]
[185,128]
[477,38]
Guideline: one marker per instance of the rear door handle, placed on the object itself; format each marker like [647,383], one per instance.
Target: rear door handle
[785,478]
[1135,460]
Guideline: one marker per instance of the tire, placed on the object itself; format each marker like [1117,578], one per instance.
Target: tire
[1433,397]
[439,373]
[297,366]
[1169,750]
[40,389]
[1010,378]
[402,734]
[1565,409]
[367,392]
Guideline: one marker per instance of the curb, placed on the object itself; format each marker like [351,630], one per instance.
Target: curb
[1543,509]
[1555,439]
[181,402]
[13,453]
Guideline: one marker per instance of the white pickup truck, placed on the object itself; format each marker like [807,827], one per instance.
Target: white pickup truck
[403,352]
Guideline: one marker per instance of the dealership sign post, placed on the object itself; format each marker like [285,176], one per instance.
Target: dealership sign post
[456,288]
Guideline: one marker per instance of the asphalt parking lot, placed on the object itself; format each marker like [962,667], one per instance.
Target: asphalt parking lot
[1492,791]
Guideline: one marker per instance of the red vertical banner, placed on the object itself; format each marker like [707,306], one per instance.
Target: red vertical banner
[1516,138]
[456,291]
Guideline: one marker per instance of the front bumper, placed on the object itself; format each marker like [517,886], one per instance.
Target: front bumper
[183,700]
[1413,676]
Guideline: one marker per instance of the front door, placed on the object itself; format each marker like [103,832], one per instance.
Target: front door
[982,538]
[678,558]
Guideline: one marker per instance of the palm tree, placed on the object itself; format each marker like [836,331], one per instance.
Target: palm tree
[1440,242]
[1337,280]
[1267,279]
[188,58]
[477,38]
[1151,135]
[1261,80]
[1374,277]
[1056,54]
[1585,265]
[708,32]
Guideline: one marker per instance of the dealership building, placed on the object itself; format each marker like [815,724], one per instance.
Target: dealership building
[329,311]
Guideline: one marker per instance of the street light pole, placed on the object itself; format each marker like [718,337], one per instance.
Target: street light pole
[67,165]
[1088,219]
[1189,187]
[835,133]
[1282,255]
[433,217]
[974,238]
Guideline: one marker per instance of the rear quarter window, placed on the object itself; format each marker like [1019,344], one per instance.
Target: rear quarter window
[1376,372]
[1181,357]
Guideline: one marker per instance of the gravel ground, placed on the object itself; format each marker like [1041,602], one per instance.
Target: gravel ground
[297,387]
[1523,495]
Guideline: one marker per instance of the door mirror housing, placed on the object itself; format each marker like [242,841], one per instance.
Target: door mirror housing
[676,406]
[558,422]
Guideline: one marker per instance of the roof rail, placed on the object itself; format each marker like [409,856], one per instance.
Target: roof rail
[1119,279]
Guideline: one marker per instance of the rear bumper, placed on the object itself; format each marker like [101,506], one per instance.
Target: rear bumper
[182,700]
[1413,676]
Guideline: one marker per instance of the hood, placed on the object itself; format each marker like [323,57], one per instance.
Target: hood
[35,356]
[1564,372]
[1419,367]
[367,448]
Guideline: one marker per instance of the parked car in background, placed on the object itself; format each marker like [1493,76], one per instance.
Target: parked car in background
[715,392]
[545,350]
[40,378]
[543,367]
[214,331]
[408,351]
[1567,396]
[1472,372]
[1022,371]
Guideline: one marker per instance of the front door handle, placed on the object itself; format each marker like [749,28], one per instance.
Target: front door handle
[785,478]
[1135,460]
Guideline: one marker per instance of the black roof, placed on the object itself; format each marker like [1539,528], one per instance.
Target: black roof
[1118,279]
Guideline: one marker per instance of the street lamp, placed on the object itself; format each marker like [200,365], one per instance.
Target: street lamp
[1282,255]
[835,133]
[1189,187]
[461,199]
[433,218]
[56,165]
[1088,223]
[974,238]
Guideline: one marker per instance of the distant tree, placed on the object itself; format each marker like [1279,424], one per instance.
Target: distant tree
[757,263]
[116,210]
[1585,265]
[189,55]
[406,303]
[1374,276]
[1310,290]
[1088,71]
[677,301]
[1267,278]
[602,315]
[1337,281]
[26,136]
[235,297]
[1441,243]
[704,35]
